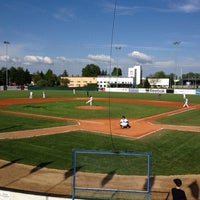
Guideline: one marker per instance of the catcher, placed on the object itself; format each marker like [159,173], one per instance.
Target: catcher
[124,122]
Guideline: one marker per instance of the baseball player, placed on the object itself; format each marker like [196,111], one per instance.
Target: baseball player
[124,122]
[43,95]
[186,103]
[90,100]
[31,95]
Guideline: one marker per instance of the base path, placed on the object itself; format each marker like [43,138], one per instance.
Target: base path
[19,176]
[139,127]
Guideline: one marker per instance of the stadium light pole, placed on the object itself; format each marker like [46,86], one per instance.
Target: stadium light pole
[118,48]
[6,43]
[176,43]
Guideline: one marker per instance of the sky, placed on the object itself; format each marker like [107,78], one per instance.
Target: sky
[159,35]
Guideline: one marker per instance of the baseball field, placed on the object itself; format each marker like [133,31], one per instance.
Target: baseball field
[63,121]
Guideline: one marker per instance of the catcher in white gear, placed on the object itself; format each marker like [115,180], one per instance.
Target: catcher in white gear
[124,122]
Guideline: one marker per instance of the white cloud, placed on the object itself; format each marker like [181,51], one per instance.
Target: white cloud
[4,58]
[38,59]
[64,14]
[164,64]
[63,59]
[140,58]
[187,6]
[102,58]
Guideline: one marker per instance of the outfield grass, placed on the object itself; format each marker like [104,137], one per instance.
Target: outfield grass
[173,152]
[69,93]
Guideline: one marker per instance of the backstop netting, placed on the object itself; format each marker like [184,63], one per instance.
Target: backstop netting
[111,175]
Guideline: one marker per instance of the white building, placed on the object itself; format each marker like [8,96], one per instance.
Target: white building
[133,79]
[159,82]
[135,73]
[107,81]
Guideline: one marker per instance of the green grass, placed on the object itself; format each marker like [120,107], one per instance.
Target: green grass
[191,117]
[69,109]
[69,93]
[17,123]
[173,152]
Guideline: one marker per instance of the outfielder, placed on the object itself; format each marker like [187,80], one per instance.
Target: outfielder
[186,103]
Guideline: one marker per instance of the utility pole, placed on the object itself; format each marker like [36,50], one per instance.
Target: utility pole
[117,48]
[6,44]
[176,43]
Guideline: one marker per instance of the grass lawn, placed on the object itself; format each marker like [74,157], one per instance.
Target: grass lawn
[17,123]
[173,152]
[69,109]
[69,93]
[190,117]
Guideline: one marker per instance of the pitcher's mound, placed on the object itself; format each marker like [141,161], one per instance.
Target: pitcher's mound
[92,107]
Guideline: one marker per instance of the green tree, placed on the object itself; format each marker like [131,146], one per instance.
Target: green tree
[50,78]
[13,75]
[18,76]
[116,72]
[104,72]
[146,83]
[171,78]
[159,74]
[28,77]
[91,70]
[37,76]
[3,76]
[191,75]
[64,73]
[64,82]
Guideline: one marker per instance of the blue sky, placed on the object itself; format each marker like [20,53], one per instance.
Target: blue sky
[69,34]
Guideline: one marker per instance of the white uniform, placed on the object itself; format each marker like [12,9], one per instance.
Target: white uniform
[124,123]
[90,100]
[43,95]
[186,103]
[31,95]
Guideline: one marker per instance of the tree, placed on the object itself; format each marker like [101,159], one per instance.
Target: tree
[146,83]
[64,73]
[191,75]
[91,70]
[18,76]
[50,78]
[3,76]
[13,75]
[159,74]
[116,72]
[64,82]
[171,78]
[37,76]
[104,72]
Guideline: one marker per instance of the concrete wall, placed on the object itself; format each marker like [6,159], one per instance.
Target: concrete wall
[19,195]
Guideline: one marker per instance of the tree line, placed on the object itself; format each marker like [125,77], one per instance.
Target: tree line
[19,76]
